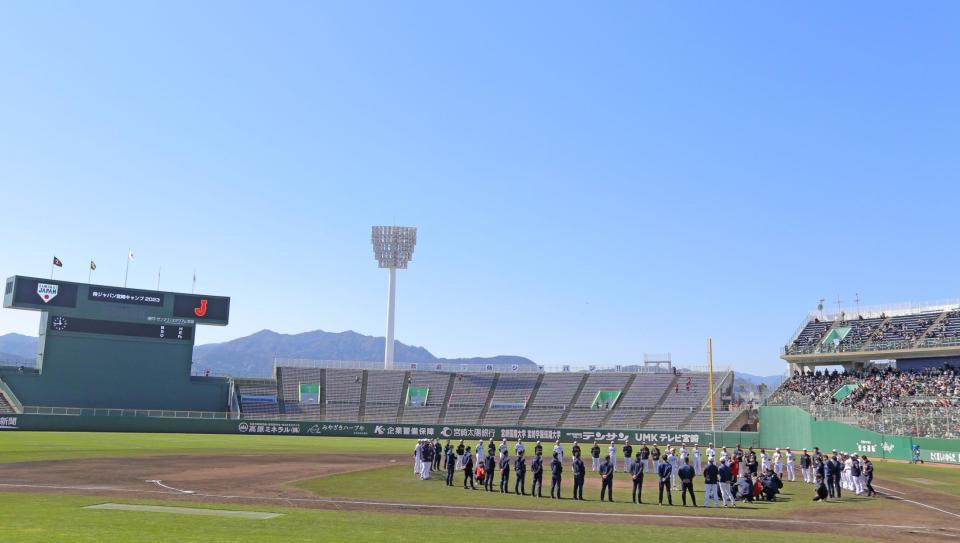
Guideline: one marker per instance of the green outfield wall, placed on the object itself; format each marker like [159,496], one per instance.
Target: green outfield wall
[86,423]
[782,426]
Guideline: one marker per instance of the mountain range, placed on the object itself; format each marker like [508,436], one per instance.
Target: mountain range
[252,356]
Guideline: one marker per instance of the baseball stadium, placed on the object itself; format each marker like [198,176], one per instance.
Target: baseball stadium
[110,436]
[669,272]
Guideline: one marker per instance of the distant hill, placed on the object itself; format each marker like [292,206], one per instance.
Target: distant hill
[748,385]
[17,349]
[252,356]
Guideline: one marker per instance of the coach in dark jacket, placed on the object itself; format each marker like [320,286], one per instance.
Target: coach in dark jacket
[520,476]
[536,467]
[556,475]
[686,475]
[504,474]
[489,464]
[636,473]
[664,471]
[451,459]
[579,474]
[606,479]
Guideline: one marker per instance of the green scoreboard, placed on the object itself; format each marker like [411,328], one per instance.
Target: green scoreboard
[113,347]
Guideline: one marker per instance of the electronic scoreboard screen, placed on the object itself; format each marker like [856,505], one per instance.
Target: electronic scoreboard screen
[114,328]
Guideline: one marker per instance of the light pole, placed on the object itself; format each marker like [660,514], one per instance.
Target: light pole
[393,249]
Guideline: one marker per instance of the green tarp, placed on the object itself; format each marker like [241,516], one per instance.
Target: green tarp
[844,391]
[417,396]
[309,393]
[605,399]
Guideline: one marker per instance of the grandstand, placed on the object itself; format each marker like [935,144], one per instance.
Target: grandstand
[607,399]
[898,375]
[899,332]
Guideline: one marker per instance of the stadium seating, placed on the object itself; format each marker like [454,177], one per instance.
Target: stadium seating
[905,330]
[552,398]
[258,399]
[430,413]
[343,394]
[384,390]
[632,400]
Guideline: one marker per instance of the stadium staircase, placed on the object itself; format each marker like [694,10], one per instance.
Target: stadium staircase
[721,416]
[323,394]
[489,400]
[626,388]
[663,398]
[363,394]
[574,400]
[870,340]
[403,395]
[933,325]
[446,399]
[9,403]
[278,375]
[533,396]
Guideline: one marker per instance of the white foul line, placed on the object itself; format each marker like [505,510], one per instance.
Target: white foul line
[920,503]
[159,482]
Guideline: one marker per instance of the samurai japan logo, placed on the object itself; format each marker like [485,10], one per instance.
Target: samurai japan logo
[46,291]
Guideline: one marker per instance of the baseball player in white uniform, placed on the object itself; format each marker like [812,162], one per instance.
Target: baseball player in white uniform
[711,453]
[791,476]
[558,450]
[612,451]
[519,448]
[764,460]
[416,458]
[697,467]
[778,463]
[675,465]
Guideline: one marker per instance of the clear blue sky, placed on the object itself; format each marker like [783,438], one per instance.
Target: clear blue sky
[591,181]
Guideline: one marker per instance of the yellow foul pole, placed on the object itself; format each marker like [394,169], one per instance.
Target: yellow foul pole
[713,427]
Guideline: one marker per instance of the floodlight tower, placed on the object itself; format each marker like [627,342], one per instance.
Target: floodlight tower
[393,249]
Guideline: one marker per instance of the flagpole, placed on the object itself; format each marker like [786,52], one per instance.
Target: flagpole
[194,286]
[90,271]
[158,276]
[51,269]
[127,272]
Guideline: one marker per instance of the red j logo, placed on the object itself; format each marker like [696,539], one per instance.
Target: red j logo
[202,310]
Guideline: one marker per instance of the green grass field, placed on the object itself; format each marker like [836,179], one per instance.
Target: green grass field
[34,517]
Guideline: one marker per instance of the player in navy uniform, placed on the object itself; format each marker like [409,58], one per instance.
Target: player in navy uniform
[595,454]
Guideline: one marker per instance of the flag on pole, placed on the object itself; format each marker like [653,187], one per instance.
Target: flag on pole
[93,265]
[130,255]
[57,262]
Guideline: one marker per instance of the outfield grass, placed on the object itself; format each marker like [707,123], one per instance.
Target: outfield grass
[30,518]
[27,446]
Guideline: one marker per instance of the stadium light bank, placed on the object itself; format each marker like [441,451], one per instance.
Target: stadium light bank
[393,249]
